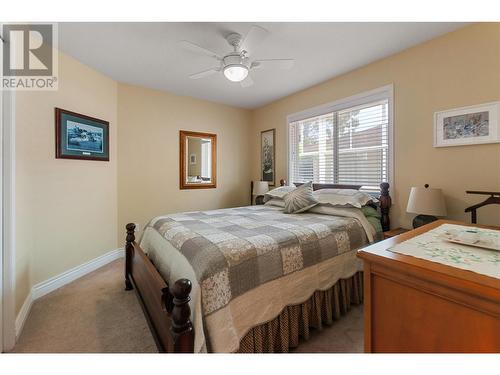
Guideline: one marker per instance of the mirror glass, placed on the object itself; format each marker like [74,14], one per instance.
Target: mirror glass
[198,160]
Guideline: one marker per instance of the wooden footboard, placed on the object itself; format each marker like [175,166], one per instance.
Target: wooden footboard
[166,308]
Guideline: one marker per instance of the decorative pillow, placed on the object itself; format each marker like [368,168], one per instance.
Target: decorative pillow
[343,197]
[278,193]
[300,199]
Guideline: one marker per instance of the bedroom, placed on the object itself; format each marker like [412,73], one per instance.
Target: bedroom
[171,150]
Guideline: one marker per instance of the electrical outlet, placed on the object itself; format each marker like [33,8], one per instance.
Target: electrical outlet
[137,227]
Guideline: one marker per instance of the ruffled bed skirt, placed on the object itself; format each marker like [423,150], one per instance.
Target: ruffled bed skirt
[284,331]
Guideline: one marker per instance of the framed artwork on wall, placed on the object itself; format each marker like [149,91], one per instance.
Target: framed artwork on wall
[267,156]
[81,137]
[471,125]
[192,159]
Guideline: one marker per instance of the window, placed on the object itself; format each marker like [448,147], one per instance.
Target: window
[346,142]
[205,159]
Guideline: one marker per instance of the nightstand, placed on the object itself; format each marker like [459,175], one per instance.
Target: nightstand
[394,232]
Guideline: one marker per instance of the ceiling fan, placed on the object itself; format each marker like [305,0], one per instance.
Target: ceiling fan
[236,64]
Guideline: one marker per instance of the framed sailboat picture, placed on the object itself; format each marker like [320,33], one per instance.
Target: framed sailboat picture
[267,155]
[81,137]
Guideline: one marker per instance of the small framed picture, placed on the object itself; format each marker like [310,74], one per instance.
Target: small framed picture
[192,159]
[267,145]
[81,137]
[467,125]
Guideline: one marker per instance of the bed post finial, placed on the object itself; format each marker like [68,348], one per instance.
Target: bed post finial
[385,205]
[282,182]
[129,251]
[182,328]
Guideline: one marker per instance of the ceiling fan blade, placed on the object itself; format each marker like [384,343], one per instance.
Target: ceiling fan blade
[198,49]
[256,35]
[247,82]
[273,63]
[204,73]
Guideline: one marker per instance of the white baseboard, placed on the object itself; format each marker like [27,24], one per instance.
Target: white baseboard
[23,314]
[47,286]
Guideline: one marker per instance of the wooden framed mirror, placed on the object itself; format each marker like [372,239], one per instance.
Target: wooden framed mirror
[197,160]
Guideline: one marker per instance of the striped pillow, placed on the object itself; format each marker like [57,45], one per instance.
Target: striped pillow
[300,199]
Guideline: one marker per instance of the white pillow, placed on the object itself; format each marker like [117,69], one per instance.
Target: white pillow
[278,202]
[343,197]
[278,193]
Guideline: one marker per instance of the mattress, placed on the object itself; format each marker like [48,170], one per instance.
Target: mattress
[248,263]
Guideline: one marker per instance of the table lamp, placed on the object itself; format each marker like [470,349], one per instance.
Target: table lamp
[259,189]
[427,203]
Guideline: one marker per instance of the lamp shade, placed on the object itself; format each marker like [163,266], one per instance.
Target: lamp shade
[426,201]
[260,187]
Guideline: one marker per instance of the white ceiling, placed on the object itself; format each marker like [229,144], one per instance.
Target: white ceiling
[147,54]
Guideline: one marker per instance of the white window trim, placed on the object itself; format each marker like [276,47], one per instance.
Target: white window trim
[384,92]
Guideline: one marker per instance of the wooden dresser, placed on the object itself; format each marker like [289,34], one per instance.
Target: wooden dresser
[417,306]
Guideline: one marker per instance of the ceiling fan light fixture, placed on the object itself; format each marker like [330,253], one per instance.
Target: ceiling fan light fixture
[236,72]
[236,65]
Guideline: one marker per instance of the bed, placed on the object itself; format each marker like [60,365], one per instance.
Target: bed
[246,279]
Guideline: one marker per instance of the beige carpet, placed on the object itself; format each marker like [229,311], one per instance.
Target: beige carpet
[95,315]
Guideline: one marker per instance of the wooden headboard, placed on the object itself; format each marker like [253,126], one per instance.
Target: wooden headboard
[384,204]
[328,186]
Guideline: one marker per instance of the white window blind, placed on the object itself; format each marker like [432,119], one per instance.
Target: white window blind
[348,145]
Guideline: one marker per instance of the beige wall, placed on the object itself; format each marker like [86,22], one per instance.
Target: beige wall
[66,209]
[458,69]
[148,154]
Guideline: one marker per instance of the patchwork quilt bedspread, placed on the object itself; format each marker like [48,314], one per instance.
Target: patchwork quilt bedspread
[235,250]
